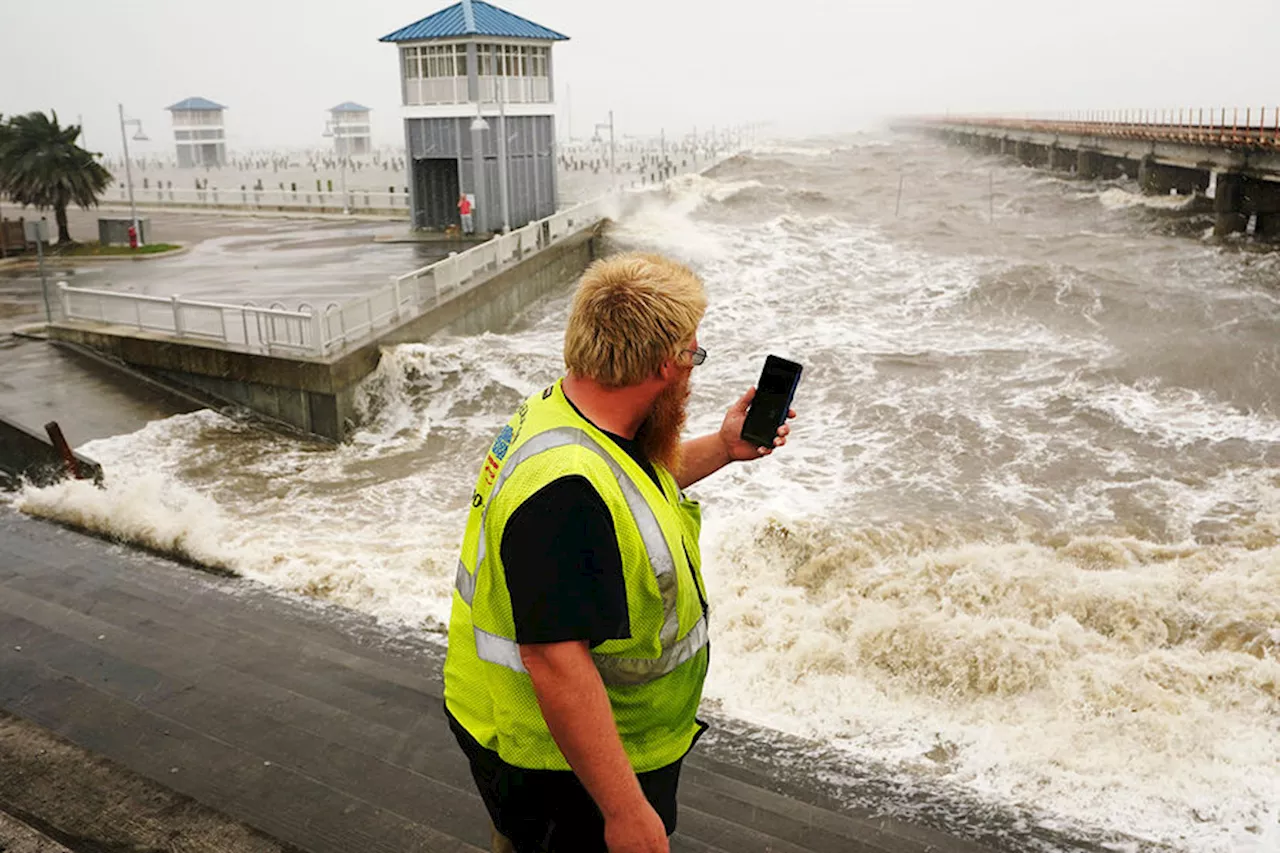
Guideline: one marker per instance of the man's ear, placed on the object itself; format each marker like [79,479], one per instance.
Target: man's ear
[668,370]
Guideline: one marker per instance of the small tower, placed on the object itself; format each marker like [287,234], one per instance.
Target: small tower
[351,129]
[200,133]
[478,100]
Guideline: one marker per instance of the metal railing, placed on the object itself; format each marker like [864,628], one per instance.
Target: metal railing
[305,332]
[1219,126]
[247,326]
[416,292]
[251,199]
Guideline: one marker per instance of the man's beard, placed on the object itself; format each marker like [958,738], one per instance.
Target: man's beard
[659,435]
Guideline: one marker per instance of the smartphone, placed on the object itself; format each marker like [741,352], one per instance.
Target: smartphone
[774,391]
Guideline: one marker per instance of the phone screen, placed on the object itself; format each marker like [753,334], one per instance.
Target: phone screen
[774,392]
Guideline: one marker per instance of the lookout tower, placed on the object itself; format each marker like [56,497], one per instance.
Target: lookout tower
[478,101]
[200,133]
[349,124]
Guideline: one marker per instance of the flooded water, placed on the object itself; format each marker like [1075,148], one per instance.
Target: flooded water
[1024,543]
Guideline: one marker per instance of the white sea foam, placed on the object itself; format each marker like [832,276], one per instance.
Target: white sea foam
[1115,198]
[980,561]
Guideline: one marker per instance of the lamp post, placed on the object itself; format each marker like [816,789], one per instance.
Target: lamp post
[128,167]
[502,157]
[334,128]
[478,127]
[613,160]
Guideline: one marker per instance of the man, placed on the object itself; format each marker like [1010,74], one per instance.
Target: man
[464,211]
[578,637]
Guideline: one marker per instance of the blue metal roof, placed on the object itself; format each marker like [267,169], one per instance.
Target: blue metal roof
[349,107]
[196,104]
[487,20]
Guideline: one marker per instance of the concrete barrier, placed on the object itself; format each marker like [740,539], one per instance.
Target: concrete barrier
[316,394]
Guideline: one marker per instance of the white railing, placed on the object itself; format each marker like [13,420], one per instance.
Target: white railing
[304,332]
[246,326]
[420,91]
[516,90]
[265,199]
[417,292]
[424,91]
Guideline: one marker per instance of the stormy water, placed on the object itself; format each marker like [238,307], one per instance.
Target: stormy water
[1024,544]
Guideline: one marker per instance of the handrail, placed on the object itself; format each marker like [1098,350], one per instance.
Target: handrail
[1227,128]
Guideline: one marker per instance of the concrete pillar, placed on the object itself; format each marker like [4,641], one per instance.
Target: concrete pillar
[1061,158]
[1268,226]
[1029,153]
[1006,146]
[1228,208]
[1088,164]
[1262,199]
[1159,179]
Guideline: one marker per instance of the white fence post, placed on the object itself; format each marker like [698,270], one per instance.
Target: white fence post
[177,316]
[317,333]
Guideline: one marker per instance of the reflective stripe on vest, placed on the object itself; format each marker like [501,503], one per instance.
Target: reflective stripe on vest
[613,670]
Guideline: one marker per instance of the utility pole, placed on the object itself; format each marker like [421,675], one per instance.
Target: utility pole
[502,157]
[128,169]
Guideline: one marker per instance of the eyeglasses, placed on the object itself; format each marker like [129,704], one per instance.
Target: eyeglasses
[697,355]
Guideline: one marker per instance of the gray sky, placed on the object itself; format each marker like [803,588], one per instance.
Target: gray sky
[809,67]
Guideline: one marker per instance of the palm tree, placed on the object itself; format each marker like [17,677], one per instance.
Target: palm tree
[41,166]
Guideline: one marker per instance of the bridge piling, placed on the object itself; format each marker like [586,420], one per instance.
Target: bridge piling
[1161,179]
[1262,199]
[1062,159]
[1228,205]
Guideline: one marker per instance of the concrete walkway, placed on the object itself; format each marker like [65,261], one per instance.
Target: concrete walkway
[321,730]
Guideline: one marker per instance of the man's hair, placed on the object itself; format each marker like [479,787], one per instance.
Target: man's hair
[630,313]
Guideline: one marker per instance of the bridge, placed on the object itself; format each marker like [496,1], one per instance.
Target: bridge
[1230,154]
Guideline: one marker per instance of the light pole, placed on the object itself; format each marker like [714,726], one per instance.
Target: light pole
[334,128]
[128,167]
[502,156]
[613,160]
[478,127]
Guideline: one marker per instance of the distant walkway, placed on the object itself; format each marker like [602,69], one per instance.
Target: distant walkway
[1232,156]
[318,728]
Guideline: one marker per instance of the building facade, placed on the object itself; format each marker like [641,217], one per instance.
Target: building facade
[478,100]
[352,130]
[199,132]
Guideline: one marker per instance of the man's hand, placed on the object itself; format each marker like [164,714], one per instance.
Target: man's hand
[638,831]
[731,431]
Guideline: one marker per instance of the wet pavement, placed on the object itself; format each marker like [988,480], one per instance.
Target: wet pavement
[236,259]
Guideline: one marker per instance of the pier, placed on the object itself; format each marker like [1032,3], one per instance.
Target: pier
[1231,154]
[299,366]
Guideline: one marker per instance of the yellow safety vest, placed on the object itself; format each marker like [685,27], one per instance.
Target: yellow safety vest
[653,679]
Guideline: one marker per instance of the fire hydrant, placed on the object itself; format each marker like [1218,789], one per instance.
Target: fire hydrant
[133,237]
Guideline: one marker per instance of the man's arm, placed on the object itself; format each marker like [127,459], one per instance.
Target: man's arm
[706,455]
[701,457]
[577,710]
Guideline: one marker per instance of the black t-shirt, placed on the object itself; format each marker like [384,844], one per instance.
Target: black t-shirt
[563,568]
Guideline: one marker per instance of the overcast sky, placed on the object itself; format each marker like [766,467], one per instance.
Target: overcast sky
[808,67]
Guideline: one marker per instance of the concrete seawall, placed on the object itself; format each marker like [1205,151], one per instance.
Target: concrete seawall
[317,394]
